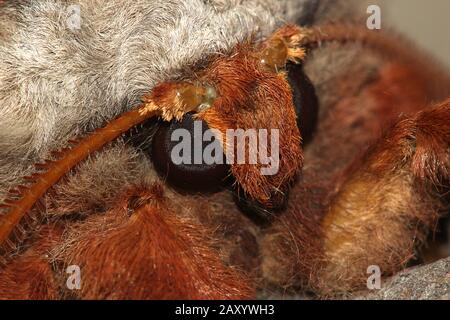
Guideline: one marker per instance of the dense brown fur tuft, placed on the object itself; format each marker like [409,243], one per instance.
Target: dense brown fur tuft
[31,275]
[251,97]
[379,209]
[144,243]
[385,210]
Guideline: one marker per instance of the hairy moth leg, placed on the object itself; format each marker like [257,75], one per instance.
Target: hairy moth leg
[385,208]
[30,275]
[293,249]
[141,249]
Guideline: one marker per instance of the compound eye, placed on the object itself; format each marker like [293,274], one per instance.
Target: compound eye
[305,100]
[187,157]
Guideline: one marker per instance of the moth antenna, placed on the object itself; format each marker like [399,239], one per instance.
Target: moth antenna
[42,165]
[14,191]
[31,178]
[9,202]
[12,225]
[165,101]
[21,187]
[19,230]
[74,141]
[56,153]
[10,245]
[385,45]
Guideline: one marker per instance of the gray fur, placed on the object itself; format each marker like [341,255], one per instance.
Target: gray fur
[56,82]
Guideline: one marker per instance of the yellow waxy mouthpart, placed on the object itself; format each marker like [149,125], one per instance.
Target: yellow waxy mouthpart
[181,99]
[196,97]
[275,56]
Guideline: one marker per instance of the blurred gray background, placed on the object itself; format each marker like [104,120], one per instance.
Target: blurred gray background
[427,22]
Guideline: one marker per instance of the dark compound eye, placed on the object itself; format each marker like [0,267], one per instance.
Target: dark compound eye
[255,211]
[305,100]
[188,147]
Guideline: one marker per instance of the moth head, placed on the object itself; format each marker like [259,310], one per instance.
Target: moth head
[246,130]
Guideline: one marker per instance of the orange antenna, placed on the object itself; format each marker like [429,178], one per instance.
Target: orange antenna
[169,101]
[392,47]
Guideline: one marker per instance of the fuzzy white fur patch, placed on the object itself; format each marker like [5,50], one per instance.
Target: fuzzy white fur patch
[68,67]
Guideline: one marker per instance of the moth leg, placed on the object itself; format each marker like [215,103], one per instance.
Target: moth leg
[384,209]
[30,275]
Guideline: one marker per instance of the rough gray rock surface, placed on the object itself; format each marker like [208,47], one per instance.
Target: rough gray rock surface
[429,282]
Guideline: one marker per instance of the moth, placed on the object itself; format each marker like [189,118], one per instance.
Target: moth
[363,152]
